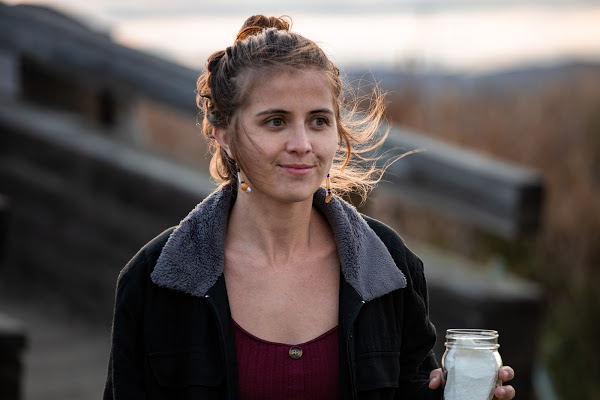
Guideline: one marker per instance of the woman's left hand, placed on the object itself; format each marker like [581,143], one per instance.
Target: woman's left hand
[505,374]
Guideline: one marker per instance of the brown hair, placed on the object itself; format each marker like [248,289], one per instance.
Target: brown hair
[265,43]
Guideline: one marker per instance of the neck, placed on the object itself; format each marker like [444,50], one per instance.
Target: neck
[274,230]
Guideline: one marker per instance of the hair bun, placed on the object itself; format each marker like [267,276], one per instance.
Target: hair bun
[258,23]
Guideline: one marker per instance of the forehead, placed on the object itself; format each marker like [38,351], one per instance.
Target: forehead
[289,88]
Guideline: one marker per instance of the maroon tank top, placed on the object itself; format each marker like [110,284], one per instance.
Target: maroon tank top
[268,370]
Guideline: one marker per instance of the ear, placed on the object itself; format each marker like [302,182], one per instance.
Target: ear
[223,138]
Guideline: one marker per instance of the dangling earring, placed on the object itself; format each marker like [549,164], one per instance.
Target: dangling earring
[243,185]
[328,187]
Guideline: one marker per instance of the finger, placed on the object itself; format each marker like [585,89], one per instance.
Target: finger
[504,392]
[436,378]
[506,374]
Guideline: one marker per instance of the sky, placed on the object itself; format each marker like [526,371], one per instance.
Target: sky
[456,35]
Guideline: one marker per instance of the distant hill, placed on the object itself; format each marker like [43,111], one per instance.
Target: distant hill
[525,77]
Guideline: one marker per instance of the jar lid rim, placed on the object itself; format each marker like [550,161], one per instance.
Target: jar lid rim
[479,332]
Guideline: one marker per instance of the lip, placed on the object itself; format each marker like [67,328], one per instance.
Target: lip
[297,169]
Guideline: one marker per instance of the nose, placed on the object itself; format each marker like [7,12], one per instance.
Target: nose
[299,141]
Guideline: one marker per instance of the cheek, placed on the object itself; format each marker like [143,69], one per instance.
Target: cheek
[333,144]
[333,149]
[327,151]
[247,150]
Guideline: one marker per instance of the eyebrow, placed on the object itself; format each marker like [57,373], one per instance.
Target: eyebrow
[322,111]
[272,111]
[281,111]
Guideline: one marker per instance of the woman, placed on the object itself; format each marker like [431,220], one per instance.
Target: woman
[273,287]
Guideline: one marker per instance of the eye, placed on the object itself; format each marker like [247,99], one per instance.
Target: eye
[320,122]
[275,122]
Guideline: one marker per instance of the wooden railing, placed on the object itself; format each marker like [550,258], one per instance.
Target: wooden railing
[496,196]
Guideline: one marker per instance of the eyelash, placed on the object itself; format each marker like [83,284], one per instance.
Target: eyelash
[271,122]
[322,119]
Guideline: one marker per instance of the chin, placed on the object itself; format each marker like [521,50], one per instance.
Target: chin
[297,195]
[295,198]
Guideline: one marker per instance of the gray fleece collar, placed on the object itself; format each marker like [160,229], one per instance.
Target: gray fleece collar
[193,257]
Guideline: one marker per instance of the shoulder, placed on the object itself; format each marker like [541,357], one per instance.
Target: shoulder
[134,280]
[143,262]
[390,238]
[405,259]
[385,233]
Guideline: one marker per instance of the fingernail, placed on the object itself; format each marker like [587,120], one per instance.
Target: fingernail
[435,378]
[505,374]
[502,392]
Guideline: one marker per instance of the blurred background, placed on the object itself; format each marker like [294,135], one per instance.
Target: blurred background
[99,152]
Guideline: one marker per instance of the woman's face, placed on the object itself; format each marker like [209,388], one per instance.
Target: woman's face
[287,134]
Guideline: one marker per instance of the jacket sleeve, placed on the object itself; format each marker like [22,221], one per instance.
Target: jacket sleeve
[419,335]
[417,359]
[125,377]
[126,372]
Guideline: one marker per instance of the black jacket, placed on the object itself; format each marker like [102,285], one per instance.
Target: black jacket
[173,334]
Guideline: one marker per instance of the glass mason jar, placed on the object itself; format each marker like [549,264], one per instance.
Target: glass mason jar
[471,364]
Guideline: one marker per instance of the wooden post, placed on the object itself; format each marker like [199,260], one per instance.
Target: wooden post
[12,344]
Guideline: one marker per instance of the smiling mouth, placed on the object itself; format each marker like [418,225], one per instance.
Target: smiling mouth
[297,169]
